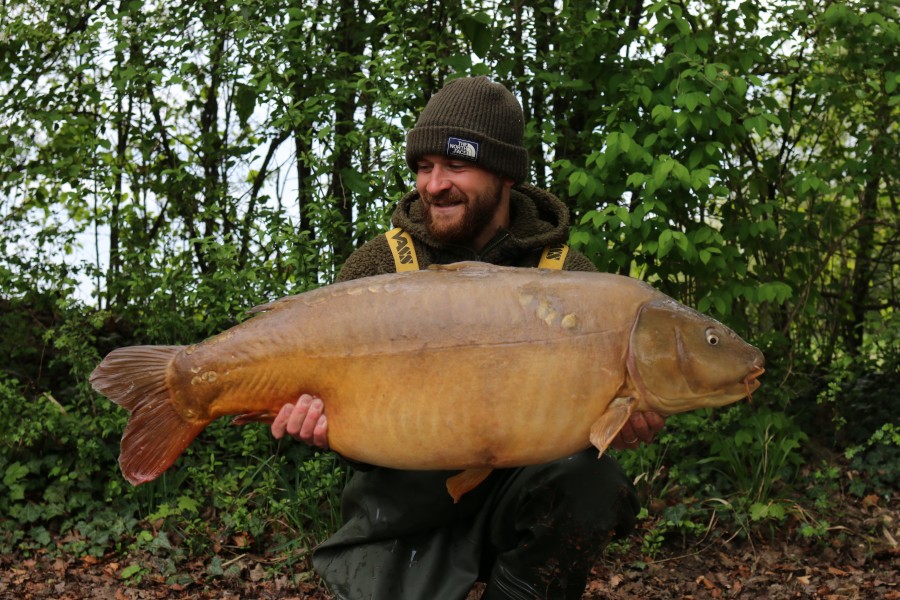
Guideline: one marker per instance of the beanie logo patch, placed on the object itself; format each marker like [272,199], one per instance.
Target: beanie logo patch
[460,148]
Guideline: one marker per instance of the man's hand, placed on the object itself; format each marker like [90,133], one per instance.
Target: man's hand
[641,427]
[304,421]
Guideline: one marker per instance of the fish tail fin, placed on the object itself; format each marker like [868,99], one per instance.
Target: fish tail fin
[156,434]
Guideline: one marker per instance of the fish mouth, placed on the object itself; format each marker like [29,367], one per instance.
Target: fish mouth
[751,384]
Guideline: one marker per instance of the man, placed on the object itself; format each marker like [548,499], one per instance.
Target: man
[530,532]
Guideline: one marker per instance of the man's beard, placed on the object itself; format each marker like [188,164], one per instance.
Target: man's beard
[476,216]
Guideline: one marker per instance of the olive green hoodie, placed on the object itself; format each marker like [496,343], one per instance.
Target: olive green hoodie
[537,219]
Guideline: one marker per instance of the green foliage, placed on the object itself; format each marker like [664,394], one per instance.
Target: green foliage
[745,463]
[878,460]
[677,520]
[757,456]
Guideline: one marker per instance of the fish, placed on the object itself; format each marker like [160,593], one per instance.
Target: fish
[465,367]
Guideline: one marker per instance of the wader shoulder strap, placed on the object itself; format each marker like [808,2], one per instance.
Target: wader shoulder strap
[403,250]
[405,259]
[553,256]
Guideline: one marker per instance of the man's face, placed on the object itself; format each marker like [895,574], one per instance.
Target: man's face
[464,204]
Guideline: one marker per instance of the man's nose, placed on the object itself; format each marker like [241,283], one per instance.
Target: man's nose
[438,181]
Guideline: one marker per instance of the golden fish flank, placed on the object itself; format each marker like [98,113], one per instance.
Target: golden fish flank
[468,366]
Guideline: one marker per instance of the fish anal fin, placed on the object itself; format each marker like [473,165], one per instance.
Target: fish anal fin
[156,434]
[466,481]
[608,425]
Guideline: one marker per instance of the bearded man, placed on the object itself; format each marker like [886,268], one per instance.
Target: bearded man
[529,532]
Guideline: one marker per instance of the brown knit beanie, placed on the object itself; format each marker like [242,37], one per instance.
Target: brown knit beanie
[476,120]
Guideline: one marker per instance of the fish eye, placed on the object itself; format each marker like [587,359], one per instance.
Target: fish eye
[712,337]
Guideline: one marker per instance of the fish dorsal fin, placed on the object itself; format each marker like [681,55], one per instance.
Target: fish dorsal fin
[611,422]
[466,265]
[466,481]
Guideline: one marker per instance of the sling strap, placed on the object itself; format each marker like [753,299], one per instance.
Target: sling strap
[405,259]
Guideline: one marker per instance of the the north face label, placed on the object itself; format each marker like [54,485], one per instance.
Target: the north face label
[460,148]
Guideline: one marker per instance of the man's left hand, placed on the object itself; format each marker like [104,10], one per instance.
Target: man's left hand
[641,427]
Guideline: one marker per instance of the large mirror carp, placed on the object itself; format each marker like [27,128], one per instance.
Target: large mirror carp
[468,366]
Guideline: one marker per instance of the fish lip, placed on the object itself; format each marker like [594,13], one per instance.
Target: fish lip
[751,383]
[751,378]
[748,385]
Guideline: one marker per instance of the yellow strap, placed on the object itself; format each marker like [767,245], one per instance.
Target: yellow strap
[403,250]
[553,256]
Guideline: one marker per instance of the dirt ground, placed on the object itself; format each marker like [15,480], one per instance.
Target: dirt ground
[858,559]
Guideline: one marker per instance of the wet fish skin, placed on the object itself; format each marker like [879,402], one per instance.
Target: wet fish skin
[469,366]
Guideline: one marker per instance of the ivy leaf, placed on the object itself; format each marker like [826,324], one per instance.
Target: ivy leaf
[187,504]
[130,571]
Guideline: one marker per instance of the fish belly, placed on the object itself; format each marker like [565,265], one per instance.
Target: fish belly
[469,407]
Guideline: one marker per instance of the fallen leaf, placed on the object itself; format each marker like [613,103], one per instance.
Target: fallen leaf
[59,565]
[838,572]
[258,573]
[706,582]
[870,501]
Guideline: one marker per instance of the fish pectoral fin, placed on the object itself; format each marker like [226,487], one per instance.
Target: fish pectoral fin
[466,481]
[611,422]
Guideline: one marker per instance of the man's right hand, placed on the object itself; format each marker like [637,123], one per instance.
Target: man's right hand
[304,421]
